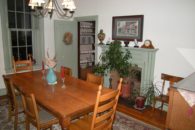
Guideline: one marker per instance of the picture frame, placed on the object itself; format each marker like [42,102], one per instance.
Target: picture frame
[127,28]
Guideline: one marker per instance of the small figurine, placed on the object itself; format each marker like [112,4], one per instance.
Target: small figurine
[136,43]
[101,36]
[147,44]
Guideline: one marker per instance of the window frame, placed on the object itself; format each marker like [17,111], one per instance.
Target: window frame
[37,38]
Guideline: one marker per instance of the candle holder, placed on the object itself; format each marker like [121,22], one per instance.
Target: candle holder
[63,82]
[43,74]
[63,79]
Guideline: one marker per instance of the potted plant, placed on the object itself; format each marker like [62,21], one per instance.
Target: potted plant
[150,92]
[115,61]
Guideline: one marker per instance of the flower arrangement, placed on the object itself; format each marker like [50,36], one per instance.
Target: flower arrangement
[50,62]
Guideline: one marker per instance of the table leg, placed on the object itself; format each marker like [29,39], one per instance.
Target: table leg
[65,122]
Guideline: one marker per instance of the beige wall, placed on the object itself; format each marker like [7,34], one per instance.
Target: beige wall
[170,24]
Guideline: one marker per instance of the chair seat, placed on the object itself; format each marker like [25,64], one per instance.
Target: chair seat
[46,119]
[40,119]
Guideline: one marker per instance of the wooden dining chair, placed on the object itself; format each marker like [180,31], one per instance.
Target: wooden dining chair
[92,78]
[15,103]
[40,119]
[164,98]
[23,65]
[66,70]
[104,111]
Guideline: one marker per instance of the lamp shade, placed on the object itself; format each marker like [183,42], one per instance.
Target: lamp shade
[187,83]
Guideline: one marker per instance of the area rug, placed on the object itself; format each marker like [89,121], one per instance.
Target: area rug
[121,122]
[125,122]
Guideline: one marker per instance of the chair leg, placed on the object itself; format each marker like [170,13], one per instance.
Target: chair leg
[161,107]
[154,103]
[16,122]
[10,112]
[27,125]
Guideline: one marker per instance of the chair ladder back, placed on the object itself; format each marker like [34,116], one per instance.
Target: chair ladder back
[30,109]
[23,65]
[105,108]
[95,79]
[163,87]
[170,78]
[174,80]
[66,70]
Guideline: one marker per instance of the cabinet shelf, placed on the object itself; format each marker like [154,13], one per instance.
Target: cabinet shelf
[87,51]
[85,61]
[86,47]
[87,27]
[87,34]
[87,44]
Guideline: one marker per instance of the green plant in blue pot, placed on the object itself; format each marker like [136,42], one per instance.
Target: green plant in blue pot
[51,76]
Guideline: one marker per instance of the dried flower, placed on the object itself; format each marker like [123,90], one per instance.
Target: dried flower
[50,62]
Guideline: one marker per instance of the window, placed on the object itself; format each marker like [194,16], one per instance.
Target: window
[23,35]
[19,21]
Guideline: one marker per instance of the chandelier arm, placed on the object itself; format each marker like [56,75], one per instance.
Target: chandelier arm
[59,10]
[45,9]
[40,13]
[37,13]
[50,8]
[43,12]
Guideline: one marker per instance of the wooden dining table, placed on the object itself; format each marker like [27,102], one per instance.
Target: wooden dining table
[63,101]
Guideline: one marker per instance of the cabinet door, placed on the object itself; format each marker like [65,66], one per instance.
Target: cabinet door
[66,55]
[178,117]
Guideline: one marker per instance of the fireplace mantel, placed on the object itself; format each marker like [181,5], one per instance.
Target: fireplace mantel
[144,58]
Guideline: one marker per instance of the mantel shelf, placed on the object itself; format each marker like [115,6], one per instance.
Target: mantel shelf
[131,48]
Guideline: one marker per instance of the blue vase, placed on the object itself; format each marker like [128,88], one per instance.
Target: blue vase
[51,76]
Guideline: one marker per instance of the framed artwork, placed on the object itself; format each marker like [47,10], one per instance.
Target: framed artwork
[127,28]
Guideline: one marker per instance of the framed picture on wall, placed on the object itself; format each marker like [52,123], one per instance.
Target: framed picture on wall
[127,28]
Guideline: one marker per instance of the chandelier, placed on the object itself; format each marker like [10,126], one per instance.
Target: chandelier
[42,8]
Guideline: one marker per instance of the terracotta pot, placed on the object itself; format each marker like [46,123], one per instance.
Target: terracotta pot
[114,79]
[140,101]
[125,92]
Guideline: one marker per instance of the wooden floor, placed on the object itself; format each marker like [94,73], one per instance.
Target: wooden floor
[156,118]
